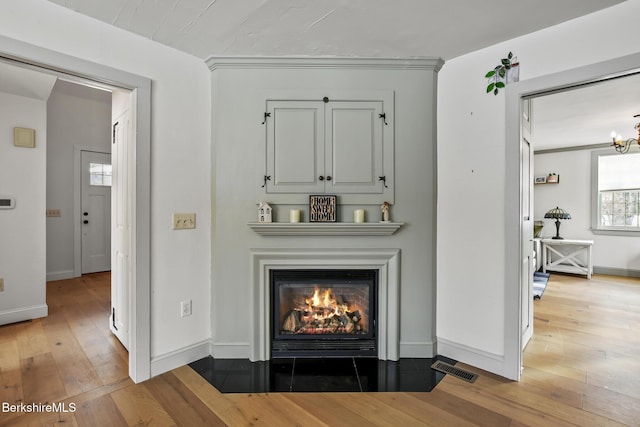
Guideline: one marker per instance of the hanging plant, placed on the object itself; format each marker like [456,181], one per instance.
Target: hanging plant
[497,76]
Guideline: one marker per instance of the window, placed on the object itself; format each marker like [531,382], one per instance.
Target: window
[100,174]
[616,187]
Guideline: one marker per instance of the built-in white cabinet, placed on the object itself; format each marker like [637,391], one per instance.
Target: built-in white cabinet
[329,146]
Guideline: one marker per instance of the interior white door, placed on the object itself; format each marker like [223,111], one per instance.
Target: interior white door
[96,211]
[527,267]
[122,199]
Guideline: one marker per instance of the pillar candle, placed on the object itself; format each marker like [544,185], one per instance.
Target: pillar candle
[294,215]
[358,215]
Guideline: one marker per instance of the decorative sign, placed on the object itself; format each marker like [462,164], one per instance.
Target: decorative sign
[322,208]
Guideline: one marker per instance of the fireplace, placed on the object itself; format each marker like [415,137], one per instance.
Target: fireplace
[323,313]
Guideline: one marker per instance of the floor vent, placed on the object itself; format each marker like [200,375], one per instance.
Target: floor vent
[456,372]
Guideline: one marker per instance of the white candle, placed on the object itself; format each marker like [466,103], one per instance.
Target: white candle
[358,215]
[294,215]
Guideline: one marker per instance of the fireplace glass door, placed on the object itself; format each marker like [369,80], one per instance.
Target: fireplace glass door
[323,313]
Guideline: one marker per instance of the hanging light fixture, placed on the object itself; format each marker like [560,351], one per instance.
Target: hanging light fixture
[557,214]
[621,146]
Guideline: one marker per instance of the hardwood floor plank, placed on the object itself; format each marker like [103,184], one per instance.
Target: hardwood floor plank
[10,375]
[140,408]
[268,409]
[463,410]
[41,381]
[181,404]
[75,369]
[101,411]
[425,406]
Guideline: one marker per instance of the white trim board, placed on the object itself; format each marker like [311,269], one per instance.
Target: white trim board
[386,261]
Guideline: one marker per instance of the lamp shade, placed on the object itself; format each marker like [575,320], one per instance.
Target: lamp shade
[557,214]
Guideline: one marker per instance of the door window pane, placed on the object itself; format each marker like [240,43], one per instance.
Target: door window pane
[100,174]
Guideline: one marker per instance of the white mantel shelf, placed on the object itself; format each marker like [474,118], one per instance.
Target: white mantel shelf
[325,228]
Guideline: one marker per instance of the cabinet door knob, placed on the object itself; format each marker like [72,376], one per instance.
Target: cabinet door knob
[321,178]
[85,222]
[329,178]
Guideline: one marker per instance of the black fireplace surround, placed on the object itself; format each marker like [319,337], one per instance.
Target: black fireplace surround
[323,313]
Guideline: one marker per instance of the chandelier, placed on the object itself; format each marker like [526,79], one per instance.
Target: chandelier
[621,146]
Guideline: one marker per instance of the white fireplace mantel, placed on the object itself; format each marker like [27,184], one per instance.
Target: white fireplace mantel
[325,228]
[386,261]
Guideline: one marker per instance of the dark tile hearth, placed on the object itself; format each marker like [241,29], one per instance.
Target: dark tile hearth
[349,374]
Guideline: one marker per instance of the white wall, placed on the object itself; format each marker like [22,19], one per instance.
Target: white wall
[180,160]
[77,116]
[573,194]
[22,230]
[471,174]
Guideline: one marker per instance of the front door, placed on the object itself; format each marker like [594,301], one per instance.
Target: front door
[96,211]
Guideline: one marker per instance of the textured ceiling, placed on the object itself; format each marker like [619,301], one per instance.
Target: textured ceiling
[360,28]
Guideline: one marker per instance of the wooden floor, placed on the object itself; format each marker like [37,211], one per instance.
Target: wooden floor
[581,368]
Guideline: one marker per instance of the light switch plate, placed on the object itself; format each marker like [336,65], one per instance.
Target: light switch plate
[184,221]
[1,284]
[53,213]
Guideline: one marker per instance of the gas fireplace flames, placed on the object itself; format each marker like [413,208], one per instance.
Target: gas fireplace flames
[322,314]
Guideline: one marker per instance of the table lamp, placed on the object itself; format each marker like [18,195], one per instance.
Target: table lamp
[557,214]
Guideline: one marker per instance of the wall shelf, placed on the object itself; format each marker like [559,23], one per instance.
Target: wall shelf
[325,228]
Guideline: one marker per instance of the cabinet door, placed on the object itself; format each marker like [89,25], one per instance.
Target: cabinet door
[295,147]
[354,147]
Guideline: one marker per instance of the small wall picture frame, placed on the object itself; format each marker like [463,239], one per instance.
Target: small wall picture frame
[322,208]
[24,137]
[540,180]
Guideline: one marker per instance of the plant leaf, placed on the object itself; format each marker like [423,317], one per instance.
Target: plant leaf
[490,73]
[500,84]
[502,72]
[495,92]
[505,61]
[510,55]
[490,87]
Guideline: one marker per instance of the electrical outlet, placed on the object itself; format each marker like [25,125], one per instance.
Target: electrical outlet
[1,284]
[184,221]
[185,308]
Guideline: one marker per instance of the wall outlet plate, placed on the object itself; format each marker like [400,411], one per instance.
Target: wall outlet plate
[185,308]
[184,221]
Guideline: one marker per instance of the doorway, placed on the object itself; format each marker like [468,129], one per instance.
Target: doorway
[96,75]
[515,94]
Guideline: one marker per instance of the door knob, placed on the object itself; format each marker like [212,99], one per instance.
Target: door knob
[85,222]
[329,178]
[86,214]
[321,178]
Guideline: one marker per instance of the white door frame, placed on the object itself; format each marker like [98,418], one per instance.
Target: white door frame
[80,70]
[515,92]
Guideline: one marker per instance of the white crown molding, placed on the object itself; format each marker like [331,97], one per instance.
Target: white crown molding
[234,62]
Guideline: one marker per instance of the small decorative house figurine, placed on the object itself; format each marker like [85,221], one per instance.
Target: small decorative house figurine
[264,212]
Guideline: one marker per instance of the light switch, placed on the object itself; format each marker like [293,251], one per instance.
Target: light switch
[184,221]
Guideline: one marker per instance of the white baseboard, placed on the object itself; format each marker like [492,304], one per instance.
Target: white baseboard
[472,356]
[230,350]
[417,349]
[60,275]
[24,313]
[180,357]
